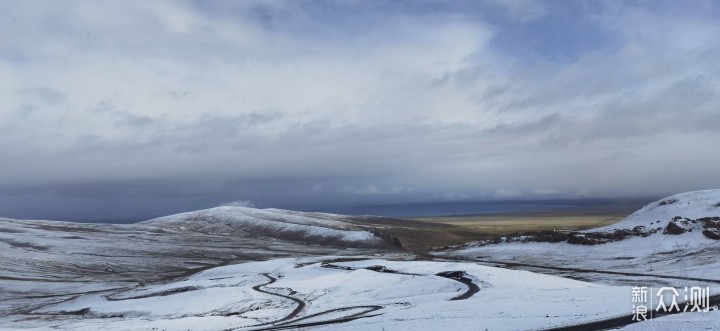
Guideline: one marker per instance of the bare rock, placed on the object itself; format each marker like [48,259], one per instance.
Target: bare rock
[712,233]
[674,229]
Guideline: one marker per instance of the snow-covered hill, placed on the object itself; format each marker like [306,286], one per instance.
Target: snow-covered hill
[47,261]
[672,239]
[690,205]
[315,228]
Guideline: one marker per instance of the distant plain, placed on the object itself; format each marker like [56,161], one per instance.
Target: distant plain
[504,224]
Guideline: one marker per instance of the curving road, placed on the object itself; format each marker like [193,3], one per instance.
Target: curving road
[348,318]
[458,276]
[613,322]
[461,276]
[301,304]
[288,323]
[579,270]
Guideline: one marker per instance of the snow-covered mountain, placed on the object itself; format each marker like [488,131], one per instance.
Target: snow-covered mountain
[673,238]
[43,260]
[696,213]
[315,228]
[690,205]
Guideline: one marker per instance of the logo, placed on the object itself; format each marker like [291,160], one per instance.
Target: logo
[665,301]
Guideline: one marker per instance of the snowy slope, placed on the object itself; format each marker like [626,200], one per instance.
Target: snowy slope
[662,257]
[47,261]
[692,205]
[288,292]
[275,223]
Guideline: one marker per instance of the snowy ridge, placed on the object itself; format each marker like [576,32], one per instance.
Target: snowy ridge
[275,223]
[692,205]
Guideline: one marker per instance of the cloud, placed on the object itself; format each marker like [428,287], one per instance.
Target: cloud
[454,196]
[239,203]
[544,191]
[45,94]
[523,11]
[582,193]
[375,190]
[506,193]
[369,99]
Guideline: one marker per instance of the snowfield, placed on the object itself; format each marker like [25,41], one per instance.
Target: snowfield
[236,268]
[407,296]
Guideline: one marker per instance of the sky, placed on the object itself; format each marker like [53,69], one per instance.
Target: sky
[137,109]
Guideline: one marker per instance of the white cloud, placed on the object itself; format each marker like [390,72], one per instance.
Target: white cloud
[454,196]
[138,89]
[545,191]
[524,10]
[239,203]
[376,190]
[506,193]
[582,193]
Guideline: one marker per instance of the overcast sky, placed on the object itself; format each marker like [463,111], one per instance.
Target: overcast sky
[134,109]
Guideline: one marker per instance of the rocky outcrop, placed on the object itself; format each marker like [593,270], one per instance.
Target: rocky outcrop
[674,228]
[712,233]
[710,222]
[594,238]
[575,238]
[551,236]
[712,227]
[680,225]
